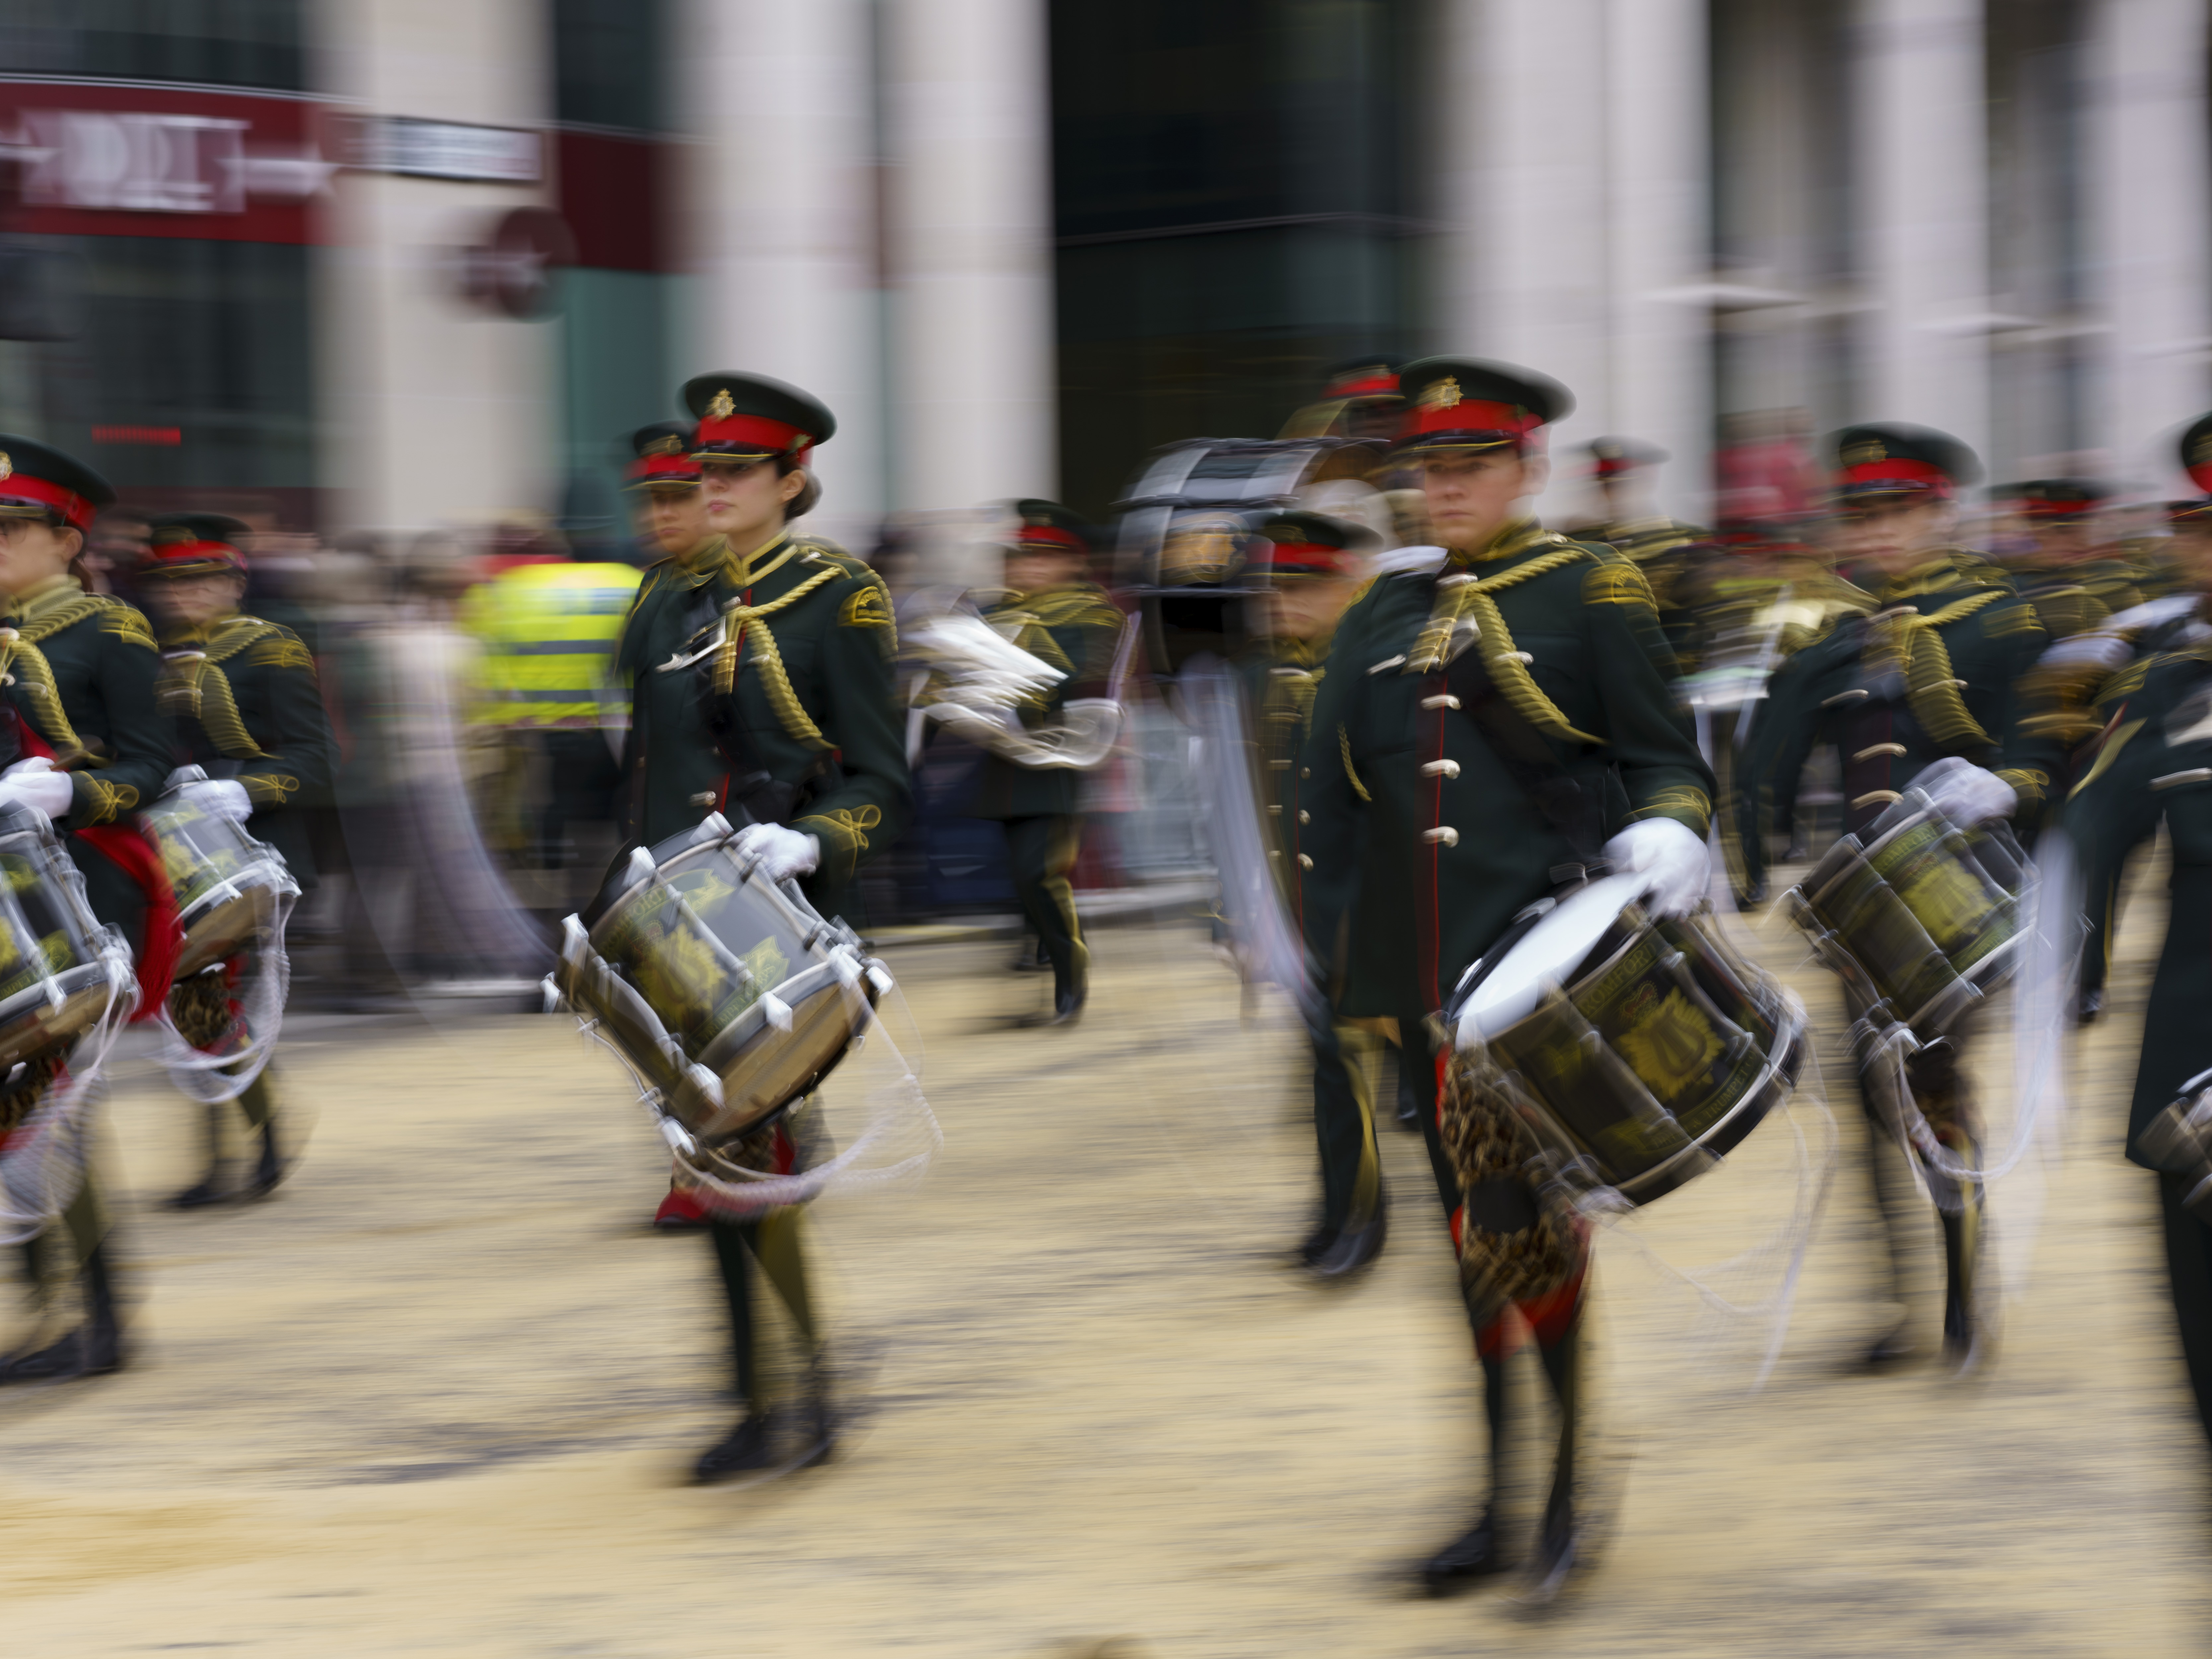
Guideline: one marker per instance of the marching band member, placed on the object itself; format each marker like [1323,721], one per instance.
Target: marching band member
[1052,610]
[1930,676]
[247,709]
[1312,563]
[760,667]
[2061,571]
[1498,719]
[76,673]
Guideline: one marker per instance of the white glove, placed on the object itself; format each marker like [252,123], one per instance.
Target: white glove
[34,783]
[1965,794]
[784,854]
[1671,859]
[225,796]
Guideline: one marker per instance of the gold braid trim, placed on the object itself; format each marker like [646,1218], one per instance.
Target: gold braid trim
[1911,643]
[1471,602]
[195,686]
[21,660]
[1344,747]
[739,621]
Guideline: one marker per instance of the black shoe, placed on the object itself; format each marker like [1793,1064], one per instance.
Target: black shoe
[1066,1009]
[745,1452]
[268,1169]
[1351,1249]
[1319,1242]
[207,1191]
[84,1351]
[1557,1554]
[2086,1010]
[1473,1555]
[1893,1347]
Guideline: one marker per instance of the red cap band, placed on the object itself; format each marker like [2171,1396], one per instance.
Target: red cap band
[1050,538]
[2201,475]
[1612,467]
[1364,385]
[664,469]
[1468,415]
[73,507]
[753,435]
[220,554]
[1298,559]
[2035,508]
[1915,475]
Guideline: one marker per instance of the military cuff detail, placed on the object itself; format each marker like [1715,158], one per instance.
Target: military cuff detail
[843,833]
[1692,808]
[98,801]
[267,789]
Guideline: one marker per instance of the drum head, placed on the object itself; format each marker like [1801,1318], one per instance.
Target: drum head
[1550,954]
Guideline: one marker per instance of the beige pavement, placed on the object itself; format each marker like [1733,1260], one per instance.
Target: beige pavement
[439,1398]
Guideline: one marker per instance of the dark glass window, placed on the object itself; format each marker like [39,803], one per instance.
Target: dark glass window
[223,43]
[608,58]
[189,368]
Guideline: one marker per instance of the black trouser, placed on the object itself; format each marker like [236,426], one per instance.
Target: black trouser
[775,1243]
[1940,1094]
[582,776]
[2189,1267]
[1040,856]
[1344,1126]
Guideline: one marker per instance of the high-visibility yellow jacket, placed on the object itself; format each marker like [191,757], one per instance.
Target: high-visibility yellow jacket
[548,631]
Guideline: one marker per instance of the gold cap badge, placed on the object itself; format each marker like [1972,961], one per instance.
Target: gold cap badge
[1441,394]
[7,466]
[722,407]
[1866,453]
[670,445]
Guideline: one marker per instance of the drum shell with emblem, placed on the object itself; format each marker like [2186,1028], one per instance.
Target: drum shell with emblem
[725,992]
[53,984]
[1920,916]
[230,888]
[1641,1060]
[1181,533]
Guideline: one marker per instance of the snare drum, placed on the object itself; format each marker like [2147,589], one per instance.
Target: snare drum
[231,889]
[55,978]
[1920,917]
[1637,1050]
[728,996]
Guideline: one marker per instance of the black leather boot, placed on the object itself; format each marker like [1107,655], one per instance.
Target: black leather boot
[745,1451]
[209,1188]
[1470,1556]
[269,1167]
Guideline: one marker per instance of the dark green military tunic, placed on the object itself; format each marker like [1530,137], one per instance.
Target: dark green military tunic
[1569,635]
[245,705]
[1935,673]
[1075,630]
[2156,764]
[788,714]
[1281,678]
[79,673]
[2072,598]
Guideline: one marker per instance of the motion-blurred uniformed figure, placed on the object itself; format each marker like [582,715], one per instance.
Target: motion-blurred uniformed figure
[1311,564]
[786,725]
[1496,719]
[77,677]
[246,708]
[1052,610]
[1625,475]
[1359,399]
[1931,674]
[2073,582]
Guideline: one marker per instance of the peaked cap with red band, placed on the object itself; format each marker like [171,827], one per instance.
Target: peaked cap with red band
[1301,543]
[1049,527]
[1899,460]
[2054,500]
[1469,404]
[1614,456]
[664,457]
[194,545]
[2196,453]
[35,481]
[749,417]
[1362,377]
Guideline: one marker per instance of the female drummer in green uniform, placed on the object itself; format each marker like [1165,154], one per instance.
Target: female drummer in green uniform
[77,672]
[760,669]
[248,710]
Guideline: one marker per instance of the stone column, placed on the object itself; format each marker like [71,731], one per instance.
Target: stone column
[972,261]
[2148,189]
[780,223]
[1923,224]
[1572,186]
[439,414]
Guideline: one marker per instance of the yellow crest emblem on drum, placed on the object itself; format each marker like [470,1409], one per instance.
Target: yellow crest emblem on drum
[1668,1042]
[1200,551]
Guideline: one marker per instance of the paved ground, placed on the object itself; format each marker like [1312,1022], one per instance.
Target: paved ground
[438,1399]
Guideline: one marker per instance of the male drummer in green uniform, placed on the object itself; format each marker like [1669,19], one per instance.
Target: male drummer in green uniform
[247,709]
[76,674]
[2064,571]
[1931,677]
[760,669]
[1499,720]
[1055,612]
[1311,563]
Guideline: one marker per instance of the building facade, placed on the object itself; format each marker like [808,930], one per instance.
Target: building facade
[402,267]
